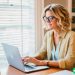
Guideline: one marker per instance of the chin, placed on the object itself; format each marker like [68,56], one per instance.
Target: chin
[50,28]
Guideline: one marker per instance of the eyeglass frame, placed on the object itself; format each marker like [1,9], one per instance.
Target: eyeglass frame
[48,19]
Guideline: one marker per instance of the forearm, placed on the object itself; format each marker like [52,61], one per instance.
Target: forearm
[53,63]
[41,55]
[38,57]
[49,63]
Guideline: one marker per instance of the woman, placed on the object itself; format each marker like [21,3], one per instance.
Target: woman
[58,48]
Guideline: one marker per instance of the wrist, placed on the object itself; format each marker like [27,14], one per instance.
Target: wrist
[47,63]
[44,63]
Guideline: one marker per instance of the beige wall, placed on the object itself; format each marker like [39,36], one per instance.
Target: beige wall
[63,2]
[46,2]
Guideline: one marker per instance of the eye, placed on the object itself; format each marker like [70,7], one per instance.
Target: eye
[48,19]
[51,17]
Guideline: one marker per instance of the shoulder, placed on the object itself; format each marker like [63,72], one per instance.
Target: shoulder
[71,34]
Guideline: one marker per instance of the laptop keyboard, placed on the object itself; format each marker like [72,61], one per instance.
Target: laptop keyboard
[34,67]
[29,67]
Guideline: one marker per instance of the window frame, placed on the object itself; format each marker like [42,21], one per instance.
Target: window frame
[38,24]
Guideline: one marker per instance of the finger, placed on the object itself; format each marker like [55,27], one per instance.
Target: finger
[22,59]
[26,60]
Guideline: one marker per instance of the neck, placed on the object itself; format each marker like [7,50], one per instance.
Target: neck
[57,31]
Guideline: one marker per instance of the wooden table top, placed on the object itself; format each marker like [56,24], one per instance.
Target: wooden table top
[13,71]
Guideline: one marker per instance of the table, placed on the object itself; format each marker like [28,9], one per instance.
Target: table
[13,71]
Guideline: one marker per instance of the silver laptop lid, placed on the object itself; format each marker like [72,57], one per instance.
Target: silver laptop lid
[13,56]
[14,59]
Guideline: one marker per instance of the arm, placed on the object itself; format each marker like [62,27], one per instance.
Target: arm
[49,63]
[42,55]
[53,63]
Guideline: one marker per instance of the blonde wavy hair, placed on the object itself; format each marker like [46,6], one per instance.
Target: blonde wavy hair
[61,14]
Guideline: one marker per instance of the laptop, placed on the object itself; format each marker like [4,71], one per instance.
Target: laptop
[14,59]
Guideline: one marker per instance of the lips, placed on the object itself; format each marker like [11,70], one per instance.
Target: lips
[50,24]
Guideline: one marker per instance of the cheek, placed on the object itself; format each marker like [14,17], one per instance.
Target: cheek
[54,24]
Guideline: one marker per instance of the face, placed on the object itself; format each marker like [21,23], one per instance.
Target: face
[50,20]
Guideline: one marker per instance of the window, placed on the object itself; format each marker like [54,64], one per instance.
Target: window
[17,25]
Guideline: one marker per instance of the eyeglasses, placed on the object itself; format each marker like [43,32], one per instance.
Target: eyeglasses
[48,19]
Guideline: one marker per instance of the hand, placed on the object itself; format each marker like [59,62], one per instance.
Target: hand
[33,60]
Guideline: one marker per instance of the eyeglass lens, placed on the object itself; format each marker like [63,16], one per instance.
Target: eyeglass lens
[48,19]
